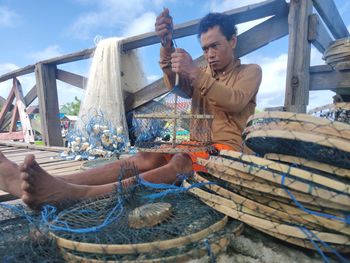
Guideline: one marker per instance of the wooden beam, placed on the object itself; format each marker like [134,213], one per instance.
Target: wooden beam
[18,72]
[238,15]
[297,81]
[25,121]
[318,35]
[6,107]
[14,119]
[71,78]
[32,146]
[12,135]
[330,15]
[262,34]
[31,96]
[325,78]
[48,104]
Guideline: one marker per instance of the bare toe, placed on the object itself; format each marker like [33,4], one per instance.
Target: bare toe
[27,187]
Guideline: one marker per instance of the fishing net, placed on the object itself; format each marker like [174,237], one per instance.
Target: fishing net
[142,223]
[297,186]
[170,127]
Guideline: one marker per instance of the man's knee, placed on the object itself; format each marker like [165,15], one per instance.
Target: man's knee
[181,159]
[152,160]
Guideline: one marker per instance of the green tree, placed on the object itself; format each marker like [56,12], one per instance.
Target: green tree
[71,108]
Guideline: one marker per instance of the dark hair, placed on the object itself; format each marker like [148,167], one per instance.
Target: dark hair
[225,23]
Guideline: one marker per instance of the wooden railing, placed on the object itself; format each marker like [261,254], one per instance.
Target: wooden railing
[303,27]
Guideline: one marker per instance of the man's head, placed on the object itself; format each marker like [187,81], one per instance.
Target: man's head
[217,34]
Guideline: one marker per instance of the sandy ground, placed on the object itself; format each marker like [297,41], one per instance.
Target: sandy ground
[253,246]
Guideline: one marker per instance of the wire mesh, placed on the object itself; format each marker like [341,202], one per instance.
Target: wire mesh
[171,127]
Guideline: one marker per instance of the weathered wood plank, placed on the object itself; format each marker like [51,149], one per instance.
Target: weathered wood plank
[31,146]
[297,82]
[12,135]
[6,107]
[240,15]
[71,78]
[14,119]
[330,15]
[318,35]
[262,34]
[48,104]
[23,115]
[324,78]
[16,73]
[31,96]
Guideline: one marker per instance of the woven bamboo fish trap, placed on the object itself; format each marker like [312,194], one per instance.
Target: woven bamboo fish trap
[299,190]
[151,232]
[335,112]
[299,135]
[171,128]
[338,54]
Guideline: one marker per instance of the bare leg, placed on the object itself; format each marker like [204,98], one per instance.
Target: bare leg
[9,177]
[38,187]
[109,173]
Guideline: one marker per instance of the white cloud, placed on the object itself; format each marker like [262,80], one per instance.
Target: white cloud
[7,17]
[143,24]
[47,53]
[119,15]
[272,88]
[220,6]
[349,27]
[152,78]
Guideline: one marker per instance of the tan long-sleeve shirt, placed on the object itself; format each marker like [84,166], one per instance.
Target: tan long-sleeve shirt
[230,97]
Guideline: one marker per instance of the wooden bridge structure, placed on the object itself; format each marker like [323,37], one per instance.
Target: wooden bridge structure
[307,22]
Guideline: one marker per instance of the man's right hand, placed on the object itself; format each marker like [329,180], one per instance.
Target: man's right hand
[164,28]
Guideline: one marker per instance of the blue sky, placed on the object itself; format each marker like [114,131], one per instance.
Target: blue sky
[34,30]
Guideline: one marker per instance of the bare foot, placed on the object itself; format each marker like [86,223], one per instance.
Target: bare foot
[9,177]
[40,188]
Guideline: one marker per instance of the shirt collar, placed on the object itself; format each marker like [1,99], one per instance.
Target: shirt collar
[230,67]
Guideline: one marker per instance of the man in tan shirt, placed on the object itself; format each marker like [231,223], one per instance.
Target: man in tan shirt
[225,88]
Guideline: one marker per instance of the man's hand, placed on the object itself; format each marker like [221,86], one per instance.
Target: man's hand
[164,28]
[183,64]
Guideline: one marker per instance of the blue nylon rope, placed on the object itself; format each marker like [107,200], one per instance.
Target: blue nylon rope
[49,212]
[345,220]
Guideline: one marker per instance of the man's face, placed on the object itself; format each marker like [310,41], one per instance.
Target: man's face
[218,51]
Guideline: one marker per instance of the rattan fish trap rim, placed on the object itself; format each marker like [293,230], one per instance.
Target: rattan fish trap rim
[324,143]
[274,176]
[263,223]
[286,213]
[169,148]
[276,192]
[308,163]
[305,243]
[173,116]
[300,117]
[141,247]
[331,107]
[287,169]
[297,122]
[216,246]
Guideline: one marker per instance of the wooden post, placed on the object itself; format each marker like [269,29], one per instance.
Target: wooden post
[48,104]
[297,83]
